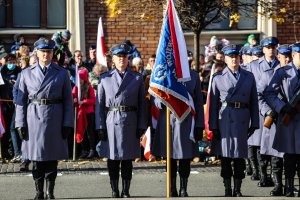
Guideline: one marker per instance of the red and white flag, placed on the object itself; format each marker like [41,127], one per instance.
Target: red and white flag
[2,123]
[146,143]
[206,115]
[100,49]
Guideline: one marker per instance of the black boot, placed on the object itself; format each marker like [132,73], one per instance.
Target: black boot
[228,190]
[289,187]
[255,173]
[248,167]
[125,188]
[50,189]
[277,190]
[114,183]
[39,186]
[263,177]
[237,188]
[174,192]
[183,187]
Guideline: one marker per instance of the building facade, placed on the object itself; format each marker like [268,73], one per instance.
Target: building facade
[36,18]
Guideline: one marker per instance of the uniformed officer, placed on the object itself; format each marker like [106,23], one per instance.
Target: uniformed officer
[44,116]
[260,67]
[284,54]
[120,117]
[257,52]
[285,83]
[183,147]
[246,53]
[233,116]
[268,133]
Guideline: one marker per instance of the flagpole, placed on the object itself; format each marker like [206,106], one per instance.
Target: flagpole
[168,153]
[74,140]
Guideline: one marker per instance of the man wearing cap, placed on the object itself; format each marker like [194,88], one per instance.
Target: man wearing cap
[263,69]
[257,53]
[120,117]
[267,152]
[284,54]
[279,94]
[44,116]
[233,116]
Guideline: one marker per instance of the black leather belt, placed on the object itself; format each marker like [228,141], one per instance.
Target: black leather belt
[45,101]
[122,108]
[235,104]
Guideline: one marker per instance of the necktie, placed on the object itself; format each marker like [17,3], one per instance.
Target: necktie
[44,70]
[235,75]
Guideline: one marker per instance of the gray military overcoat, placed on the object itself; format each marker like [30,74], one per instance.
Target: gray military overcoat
[268,135]
[182,146]
[258,67]
[44,122]
[233,123]
[113,91]
[285,81]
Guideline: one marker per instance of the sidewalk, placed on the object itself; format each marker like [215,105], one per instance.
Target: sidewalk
[98,166]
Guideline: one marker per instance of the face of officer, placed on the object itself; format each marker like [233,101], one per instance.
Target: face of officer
[270,52]
[120,61]
[296,59]
[284,59]
[45,56]
[232,61]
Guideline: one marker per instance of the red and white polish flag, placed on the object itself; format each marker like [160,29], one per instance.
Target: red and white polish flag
[100,49]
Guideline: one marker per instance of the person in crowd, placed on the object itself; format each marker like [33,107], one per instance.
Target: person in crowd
[24,50]
[61,39]
[267,152]
[233,117]
[138,65]
[19,40]
[150,64]
[44,116]
[279,94]
[9,75]
[78,61]
[246,53]
[212,48]
[257,52]
[85,133]
[94,75]
[190,57]
[262,69]
[220,56]
[120,117]
[284,55]
[33,59]
[17,142]
[133,51]
[183,147]
[3,56]
[251,41]
[90,63]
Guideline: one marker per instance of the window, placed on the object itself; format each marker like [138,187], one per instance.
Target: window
[247,20]
[33,14]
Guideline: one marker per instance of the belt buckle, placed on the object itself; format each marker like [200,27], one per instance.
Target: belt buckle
[237,104]
[44,101]
[122,108]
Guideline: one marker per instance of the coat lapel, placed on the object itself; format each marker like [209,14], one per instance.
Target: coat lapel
[127,77]
[51,72]
[117,77]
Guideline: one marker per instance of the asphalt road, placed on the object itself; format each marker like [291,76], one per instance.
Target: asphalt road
[202,185]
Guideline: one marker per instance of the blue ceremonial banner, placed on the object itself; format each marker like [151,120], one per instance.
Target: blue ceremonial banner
[171,67]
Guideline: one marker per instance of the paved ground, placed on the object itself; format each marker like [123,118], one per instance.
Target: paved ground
[89,180]
[99,166]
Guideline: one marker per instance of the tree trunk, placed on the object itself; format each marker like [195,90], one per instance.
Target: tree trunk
[197,50]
